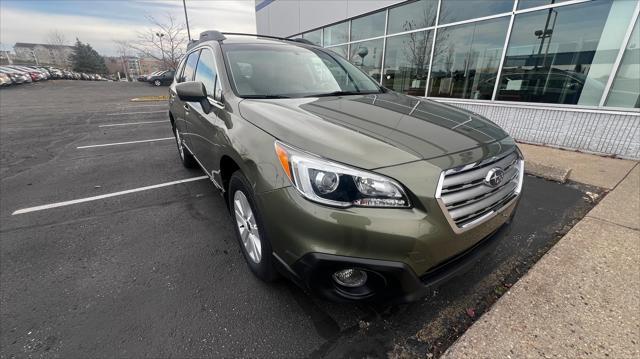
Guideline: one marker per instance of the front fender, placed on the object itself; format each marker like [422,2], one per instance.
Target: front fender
[252,149]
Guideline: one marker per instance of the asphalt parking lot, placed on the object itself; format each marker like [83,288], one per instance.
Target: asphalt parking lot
[158,272]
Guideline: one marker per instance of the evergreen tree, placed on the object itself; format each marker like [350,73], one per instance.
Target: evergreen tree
[86,59]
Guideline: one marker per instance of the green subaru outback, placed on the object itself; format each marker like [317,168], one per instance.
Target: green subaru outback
[351,190]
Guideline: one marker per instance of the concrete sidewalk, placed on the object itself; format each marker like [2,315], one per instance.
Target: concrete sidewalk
[582,299]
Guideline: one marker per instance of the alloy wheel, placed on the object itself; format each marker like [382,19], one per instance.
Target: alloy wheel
[247,226]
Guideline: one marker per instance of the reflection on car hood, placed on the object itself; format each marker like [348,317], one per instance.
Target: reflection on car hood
[371,131]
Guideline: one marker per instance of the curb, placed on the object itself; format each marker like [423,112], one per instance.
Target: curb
[557,174]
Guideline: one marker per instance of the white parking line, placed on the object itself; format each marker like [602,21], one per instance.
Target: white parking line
[132,123]
[95,198]
[125,143]
[132,113]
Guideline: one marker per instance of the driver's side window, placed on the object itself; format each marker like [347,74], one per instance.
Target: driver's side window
[189,67]
[207,74]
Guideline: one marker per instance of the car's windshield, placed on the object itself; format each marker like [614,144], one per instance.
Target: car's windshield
[272,70]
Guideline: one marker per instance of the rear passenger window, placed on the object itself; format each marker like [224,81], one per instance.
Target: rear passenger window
[206,72]
[190,67]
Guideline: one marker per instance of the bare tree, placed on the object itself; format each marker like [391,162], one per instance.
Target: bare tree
[166,40]
[123,47]
[55,37]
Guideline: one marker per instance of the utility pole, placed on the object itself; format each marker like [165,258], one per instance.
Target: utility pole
[186,18]
[164,63]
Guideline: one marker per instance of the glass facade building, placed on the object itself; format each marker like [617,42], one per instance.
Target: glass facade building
[574,55]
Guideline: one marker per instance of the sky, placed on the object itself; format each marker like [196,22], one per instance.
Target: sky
[100,22]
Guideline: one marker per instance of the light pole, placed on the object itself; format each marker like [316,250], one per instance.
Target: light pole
[186,18]
[164,64]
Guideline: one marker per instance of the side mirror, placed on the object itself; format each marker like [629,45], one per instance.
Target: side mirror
[191,91]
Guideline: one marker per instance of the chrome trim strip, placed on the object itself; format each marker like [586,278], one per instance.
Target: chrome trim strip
[204,169]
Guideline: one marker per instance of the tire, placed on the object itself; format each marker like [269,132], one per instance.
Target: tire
[157,83]
[240,188]
[186,157]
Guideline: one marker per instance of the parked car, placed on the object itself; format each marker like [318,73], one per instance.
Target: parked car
[18,77]
[5,80]
[351,190]
[34,74]
[162,78]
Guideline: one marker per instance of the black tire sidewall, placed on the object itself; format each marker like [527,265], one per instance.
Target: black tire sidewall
[265,269]
[188,161]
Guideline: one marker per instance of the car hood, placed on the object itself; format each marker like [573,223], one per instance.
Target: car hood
[371,131]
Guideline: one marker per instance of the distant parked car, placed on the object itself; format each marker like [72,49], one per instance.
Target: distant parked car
[34,74]
[163,78]
[5,80]
[18,77]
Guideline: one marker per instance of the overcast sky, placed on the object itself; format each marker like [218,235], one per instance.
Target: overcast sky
[100,22]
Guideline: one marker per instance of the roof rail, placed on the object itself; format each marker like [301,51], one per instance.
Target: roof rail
[219,36]
[210,35]
[300,40]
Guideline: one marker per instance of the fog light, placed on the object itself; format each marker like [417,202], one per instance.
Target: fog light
[350,277]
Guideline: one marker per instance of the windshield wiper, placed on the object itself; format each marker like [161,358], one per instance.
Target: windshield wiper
[342,93]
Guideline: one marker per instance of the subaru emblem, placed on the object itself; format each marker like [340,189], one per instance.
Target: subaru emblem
[494,177]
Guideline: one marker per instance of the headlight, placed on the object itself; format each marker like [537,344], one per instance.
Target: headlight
[334,184]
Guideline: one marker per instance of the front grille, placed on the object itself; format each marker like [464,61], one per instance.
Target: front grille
[468,200]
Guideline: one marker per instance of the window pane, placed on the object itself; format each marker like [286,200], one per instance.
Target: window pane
[406,62]
[625,91]
[314,36]
[459,10]
[206,71]
[525,4]
[368,56]
[564,55]
[190,67]
[336,34]
[341,50]
[368,26]
[416,15]
[466,59]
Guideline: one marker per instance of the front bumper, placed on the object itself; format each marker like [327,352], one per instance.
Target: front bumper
[403,251]
[388,281]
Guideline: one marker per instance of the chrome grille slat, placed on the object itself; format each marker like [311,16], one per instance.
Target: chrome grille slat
[468,200]
[477,173]
[464,221]
[484,203]
[454,198]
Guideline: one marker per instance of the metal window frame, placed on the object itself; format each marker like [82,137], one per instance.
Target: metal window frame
[384,45]
[618,61]
[433,47]
[504,51]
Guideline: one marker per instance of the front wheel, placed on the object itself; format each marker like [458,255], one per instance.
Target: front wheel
[157,83]
[249,228]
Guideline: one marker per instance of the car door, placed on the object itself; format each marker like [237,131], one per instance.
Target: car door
[178,107]
[204,126]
